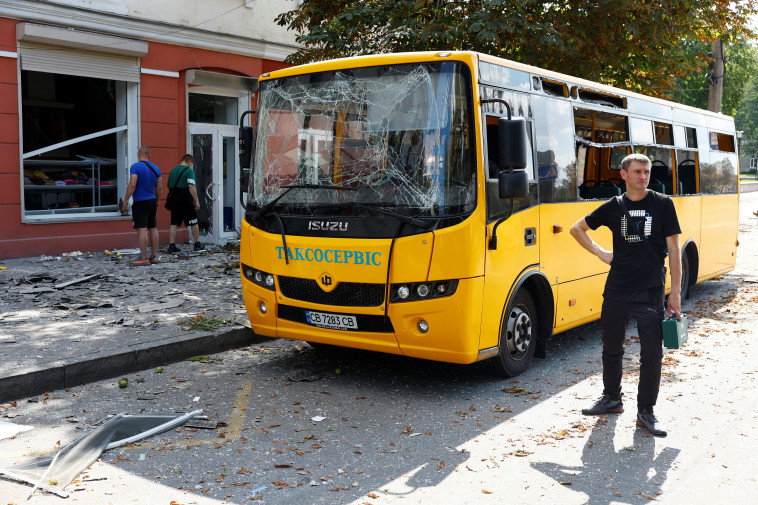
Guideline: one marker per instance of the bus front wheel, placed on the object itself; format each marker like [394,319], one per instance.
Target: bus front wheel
[518,337]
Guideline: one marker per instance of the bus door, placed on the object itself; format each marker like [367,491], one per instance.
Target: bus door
[576,176]
[517,238]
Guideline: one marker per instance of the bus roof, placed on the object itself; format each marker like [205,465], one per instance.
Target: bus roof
[471,57]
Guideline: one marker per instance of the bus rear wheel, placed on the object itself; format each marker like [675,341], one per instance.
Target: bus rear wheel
[518,337]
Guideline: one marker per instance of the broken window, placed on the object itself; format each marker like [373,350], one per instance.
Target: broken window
[74,144]
[602,141]
[398,137]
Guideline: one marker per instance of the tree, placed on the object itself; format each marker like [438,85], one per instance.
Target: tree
[741,65]
[746,119]
[740,98]
[632,44]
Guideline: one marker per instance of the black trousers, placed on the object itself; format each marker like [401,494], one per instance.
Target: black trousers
[647,308]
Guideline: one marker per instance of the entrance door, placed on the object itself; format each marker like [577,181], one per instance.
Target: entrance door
[217,181]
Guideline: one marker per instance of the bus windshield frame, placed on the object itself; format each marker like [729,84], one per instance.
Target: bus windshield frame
[400,137]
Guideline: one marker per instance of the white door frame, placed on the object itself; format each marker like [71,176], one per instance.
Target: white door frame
[216,190]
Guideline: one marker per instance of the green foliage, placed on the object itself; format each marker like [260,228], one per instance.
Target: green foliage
[746,119]
[741,65]
[740,98]
[203,323]
[200,359]
[632,44]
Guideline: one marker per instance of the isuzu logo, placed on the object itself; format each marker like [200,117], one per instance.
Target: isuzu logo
[327,225]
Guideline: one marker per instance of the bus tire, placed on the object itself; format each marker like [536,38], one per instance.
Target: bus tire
[518,337]
[685,293]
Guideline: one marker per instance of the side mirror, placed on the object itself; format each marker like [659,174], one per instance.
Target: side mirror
[512,140]
[513,184]
[246,147]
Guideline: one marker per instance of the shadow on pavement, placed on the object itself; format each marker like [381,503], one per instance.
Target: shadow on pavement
[608,475]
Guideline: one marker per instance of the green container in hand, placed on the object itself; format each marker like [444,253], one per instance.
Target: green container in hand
[674,331]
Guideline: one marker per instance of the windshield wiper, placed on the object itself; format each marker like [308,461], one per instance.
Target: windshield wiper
[287,189]
[406,219]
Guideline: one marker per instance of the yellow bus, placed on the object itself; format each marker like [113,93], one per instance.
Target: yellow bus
[419,203]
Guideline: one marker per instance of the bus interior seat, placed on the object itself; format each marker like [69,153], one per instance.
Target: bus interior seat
[659,172]
[686,174]
[596,191]
[656,185]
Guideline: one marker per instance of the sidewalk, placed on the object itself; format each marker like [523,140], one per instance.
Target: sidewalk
[87,316]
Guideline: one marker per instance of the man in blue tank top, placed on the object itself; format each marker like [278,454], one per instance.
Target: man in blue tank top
[145,188]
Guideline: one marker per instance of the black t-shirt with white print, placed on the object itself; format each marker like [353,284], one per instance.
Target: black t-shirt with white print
[633,267]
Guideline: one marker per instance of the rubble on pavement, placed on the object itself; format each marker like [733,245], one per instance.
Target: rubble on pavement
[50,305]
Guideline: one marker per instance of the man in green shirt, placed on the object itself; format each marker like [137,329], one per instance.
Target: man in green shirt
[184,202]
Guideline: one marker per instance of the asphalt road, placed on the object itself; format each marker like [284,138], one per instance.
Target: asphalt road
[295,425]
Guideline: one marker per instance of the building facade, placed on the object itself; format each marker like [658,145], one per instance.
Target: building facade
[85,83]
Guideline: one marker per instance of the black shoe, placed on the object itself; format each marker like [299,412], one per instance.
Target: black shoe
[647,420]
[172,248]
[605,405]
[199,247]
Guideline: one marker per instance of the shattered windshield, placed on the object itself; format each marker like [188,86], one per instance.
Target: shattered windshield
[400,137]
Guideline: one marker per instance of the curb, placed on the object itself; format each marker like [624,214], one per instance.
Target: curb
[94,367]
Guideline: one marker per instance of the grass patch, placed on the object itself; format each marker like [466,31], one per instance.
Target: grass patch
[203,323]
[200,359]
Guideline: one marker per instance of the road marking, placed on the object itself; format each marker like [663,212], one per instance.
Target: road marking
[234,424]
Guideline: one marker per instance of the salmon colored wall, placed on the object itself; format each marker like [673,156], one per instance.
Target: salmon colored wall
[176,59]
[163,128]
[10,175]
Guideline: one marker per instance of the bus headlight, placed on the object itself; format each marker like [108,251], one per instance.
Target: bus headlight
[403,292]
[422,290]
[259,277]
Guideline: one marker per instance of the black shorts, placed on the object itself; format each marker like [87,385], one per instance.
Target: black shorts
[143,213]
[183,212]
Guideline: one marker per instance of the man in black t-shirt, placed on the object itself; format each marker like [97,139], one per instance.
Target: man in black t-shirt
[635,284]
[184,202]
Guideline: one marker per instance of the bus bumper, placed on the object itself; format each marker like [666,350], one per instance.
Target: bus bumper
[452,335]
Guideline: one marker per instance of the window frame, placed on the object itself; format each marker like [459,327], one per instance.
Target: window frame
[127,135]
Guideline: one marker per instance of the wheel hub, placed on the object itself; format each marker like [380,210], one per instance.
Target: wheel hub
[518,332]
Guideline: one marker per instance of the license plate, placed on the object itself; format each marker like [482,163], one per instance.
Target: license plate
[333,321]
